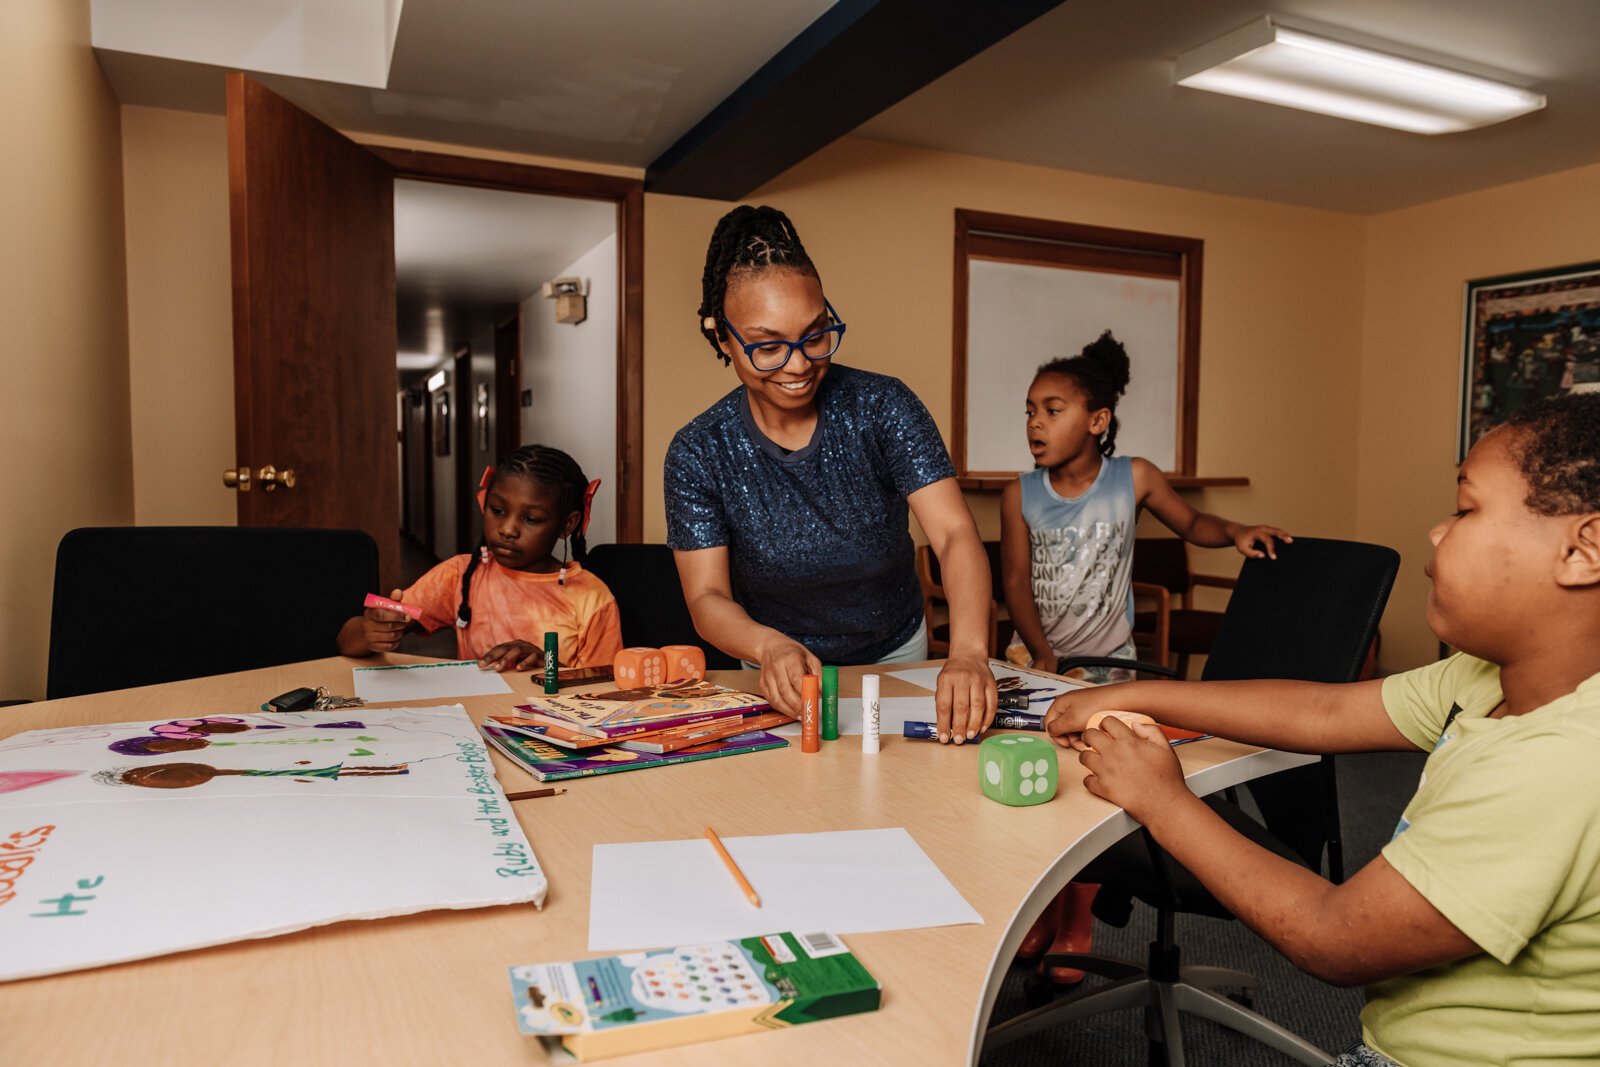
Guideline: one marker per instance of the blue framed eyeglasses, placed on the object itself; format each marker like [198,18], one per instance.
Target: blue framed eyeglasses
[768,356]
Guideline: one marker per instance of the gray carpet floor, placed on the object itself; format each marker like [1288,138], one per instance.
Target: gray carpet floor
[1373,790]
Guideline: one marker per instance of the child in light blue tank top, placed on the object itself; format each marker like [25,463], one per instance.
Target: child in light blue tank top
[1066,551]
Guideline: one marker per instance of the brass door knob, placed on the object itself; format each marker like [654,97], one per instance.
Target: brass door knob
[271,477]
[237,479]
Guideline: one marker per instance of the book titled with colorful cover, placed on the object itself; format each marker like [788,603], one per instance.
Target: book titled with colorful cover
[643,1001]
[548,763]
[618,713]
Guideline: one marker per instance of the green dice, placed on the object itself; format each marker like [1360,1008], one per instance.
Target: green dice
[1017,769]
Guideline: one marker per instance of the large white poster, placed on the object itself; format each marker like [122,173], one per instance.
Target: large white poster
[119,842]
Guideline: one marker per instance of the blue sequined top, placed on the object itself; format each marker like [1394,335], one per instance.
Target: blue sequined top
[818,544]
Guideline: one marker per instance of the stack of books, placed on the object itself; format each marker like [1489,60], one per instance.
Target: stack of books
[583,734]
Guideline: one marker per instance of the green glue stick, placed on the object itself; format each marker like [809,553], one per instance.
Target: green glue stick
[552,662]
[830,703]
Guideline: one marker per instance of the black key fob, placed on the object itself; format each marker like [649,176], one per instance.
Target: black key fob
[293,700]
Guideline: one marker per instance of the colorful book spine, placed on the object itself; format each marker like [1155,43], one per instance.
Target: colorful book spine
[618,731]
[551,764]
[688,736]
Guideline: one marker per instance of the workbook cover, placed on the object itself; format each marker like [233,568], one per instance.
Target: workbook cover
[549,763]
[618,713]
[643,1001]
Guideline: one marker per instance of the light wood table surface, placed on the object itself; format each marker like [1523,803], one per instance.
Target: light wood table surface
[433,989]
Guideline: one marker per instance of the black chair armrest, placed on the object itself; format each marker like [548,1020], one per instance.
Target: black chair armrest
[1070,662]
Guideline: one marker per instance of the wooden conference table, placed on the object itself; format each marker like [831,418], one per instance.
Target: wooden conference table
[432,988]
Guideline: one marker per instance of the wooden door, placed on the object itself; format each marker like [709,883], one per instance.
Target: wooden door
[313,322]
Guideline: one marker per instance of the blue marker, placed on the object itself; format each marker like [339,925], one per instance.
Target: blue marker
[1005,720]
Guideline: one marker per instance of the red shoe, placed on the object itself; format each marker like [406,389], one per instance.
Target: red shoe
[1076,932]
[1043,931]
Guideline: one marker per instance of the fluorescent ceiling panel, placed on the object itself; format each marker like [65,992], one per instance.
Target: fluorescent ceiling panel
[1270,62]
[347,41]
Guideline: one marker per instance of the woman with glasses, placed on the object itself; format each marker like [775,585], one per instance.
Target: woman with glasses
[787,499]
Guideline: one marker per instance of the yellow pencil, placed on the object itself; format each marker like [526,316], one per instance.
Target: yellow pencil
[733,868]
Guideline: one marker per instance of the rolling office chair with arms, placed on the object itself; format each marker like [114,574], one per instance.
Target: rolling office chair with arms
[644,580]
[1309,615]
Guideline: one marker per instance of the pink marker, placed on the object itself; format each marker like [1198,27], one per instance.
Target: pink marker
[375,601]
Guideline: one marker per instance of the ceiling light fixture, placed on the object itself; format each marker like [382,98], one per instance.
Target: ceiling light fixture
[1270,62]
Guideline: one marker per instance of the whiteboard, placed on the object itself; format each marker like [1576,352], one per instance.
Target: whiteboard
[1021,315]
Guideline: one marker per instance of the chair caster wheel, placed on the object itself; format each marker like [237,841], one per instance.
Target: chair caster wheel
[1038,990]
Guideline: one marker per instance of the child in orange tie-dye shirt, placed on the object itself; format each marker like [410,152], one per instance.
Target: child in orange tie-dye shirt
[505,597]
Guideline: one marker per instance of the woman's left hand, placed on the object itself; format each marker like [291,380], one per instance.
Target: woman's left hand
[1134,767]
[964,701]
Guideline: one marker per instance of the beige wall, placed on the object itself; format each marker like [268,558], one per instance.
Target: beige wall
[180,315]
[1419,261]
[1281,328]
[64,405]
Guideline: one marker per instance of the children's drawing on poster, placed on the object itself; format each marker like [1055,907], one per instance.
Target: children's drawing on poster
[1528,336]
[116,840]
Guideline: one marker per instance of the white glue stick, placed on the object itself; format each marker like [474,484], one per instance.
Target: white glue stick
[869,715]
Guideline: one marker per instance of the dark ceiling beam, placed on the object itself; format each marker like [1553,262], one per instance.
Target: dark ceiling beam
[857,59]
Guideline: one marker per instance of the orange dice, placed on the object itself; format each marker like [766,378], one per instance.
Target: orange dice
[639,667]
[685,662]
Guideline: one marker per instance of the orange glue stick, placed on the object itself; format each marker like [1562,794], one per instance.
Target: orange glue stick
[811,713]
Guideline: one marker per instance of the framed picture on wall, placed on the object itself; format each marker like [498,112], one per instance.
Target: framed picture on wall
[1031,290]
[1527,336]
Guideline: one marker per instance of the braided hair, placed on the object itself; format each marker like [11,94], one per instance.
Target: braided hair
[1101,371]
[1558,449]
[551,468]
[747,240]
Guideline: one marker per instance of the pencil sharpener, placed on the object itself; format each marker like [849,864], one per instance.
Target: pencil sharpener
[1017,769]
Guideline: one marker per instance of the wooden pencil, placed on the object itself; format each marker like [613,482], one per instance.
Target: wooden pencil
[733,868]
[529,794]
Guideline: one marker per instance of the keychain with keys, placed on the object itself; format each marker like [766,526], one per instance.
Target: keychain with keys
[327,701]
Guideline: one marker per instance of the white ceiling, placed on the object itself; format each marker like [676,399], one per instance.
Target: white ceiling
[1086,87]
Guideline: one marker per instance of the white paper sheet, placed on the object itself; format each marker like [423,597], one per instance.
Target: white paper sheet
[132,840]
[652,893]
[427,681]
[893,712]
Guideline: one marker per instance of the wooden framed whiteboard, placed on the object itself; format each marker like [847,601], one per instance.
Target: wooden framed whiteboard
[1032,290]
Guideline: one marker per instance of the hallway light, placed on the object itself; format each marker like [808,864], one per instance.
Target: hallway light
[1270,62]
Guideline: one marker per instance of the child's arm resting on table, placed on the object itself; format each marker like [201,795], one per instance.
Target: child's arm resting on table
[1155,493]
[1293,716]
[374,630]
[1374,926]
[1016,573]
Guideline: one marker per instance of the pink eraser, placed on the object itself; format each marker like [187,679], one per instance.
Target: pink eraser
[375,601]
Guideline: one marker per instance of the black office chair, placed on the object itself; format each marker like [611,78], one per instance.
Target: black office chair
[1309,615]
[148,604]
[644,579]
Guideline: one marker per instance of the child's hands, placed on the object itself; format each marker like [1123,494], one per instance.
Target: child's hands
[381,629]
[1070,713]
[1133,767]
[512,656]
[1245,539]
